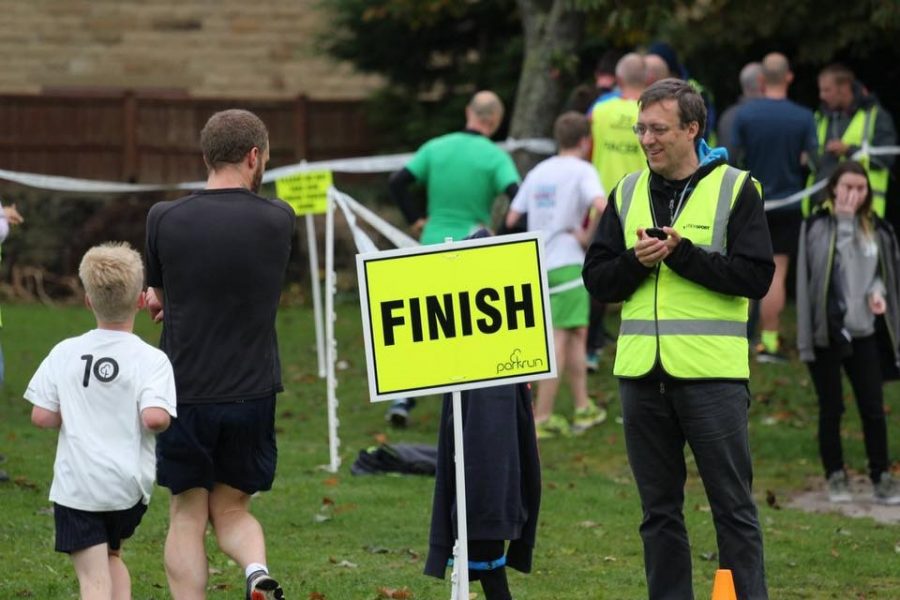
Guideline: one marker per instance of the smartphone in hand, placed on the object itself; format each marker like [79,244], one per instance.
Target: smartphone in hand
[657,233]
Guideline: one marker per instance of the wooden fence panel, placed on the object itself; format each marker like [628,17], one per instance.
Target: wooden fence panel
[124,136]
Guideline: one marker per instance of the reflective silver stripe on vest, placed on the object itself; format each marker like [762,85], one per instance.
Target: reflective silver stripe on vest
[683,327]
[723,211]
[628,185]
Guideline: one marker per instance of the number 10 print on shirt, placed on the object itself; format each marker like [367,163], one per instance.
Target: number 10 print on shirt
[105,369]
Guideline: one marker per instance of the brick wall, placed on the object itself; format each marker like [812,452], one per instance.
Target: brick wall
[231,48]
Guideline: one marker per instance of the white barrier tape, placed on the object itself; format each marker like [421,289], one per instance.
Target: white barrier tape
[364,243]
[394,235]
[565,287]
[799,196]
[795,198]
[875,151]
[368,164]
[58,183]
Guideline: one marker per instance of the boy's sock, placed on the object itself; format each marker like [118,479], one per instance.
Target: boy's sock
[253,568]
[769,340]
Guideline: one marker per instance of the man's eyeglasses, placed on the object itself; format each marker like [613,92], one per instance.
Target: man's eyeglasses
[640,129]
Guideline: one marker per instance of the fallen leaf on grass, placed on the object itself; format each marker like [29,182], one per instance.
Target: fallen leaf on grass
[380,438]
[708,556]
[316,596]
[835,553]
[326,511]
[222,586]
[897,547]
[343,563]
[376,549]
[332,481]
[403,593]
[771,500]
[609,559]
[412,554]
[24,482]
[345,508]
[589,524]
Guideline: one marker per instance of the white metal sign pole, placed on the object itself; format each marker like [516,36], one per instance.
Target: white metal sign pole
[330,343]
[316,291]
[460,578]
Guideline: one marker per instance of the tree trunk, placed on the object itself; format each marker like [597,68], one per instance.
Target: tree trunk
[552,32]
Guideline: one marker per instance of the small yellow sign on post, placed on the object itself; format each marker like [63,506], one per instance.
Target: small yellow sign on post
[307,192]
[455,316]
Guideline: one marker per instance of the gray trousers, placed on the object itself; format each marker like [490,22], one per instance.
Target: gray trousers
[712,418]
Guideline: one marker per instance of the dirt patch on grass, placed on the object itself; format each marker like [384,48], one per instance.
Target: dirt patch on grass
[815,499]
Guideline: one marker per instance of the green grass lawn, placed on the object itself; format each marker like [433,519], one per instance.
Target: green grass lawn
[377,532]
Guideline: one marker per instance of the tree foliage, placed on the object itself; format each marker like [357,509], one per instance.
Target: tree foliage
[439,51]
[535,51]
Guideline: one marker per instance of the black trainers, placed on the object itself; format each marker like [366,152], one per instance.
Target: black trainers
[772,358]
[398,413]
[261,586]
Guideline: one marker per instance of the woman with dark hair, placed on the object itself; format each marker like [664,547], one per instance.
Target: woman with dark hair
[848,314]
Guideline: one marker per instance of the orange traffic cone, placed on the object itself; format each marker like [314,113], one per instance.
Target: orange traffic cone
[723,586]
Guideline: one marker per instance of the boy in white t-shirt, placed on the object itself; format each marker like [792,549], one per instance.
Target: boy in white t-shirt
[109,393]
[557,196]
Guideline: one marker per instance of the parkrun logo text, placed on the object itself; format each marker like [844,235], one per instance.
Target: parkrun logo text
[517,363]
[451,315]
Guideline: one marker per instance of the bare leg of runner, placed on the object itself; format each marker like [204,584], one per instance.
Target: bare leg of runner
[185,553]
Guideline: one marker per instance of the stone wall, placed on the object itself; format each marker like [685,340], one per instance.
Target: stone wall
[232,48]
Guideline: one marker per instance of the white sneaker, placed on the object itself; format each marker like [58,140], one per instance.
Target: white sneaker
[838,488]
[261,586]
[886,490]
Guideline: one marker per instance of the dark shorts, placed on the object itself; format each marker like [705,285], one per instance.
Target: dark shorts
[784,228]
[80,529]
[223,442]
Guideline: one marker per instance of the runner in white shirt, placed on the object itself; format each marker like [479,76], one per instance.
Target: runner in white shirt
[109,393]
[557,195]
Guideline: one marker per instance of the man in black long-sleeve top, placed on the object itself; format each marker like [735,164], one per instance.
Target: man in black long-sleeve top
[684,244]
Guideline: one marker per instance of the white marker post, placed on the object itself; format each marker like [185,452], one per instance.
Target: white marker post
[452,317]
[334,441]
[460,577]
[316,292]
[307,193]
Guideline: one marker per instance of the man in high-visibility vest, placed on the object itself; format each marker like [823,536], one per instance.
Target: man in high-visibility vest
[615,152]
[684,244]
[851,119]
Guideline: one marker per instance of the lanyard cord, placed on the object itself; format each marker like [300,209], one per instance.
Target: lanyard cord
[674,210]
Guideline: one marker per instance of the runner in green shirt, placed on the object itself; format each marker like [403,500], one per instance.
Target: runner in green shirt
[463,173]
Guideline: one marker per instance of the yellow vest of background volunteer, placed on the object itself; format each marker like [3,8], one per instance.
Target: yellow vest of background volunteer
[696,333]
[617,151]
[860,129]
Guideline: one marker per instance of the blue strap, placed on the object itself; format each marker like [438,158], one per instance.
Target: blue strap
[483,565]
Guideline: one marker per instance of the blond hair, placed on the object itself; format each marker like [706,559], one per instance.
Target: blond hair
[113,276]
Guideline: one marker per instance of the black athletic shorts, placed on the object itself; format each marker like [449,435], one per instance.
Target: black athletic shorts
[784,228]
[80,529]
[222,442]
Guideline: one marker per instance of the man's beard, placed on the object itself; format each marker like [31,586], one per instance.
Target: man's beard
[256,183]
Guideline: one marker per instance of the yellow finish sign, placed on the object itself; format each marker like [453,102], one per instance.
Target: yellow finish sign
[307,193]
[455,316]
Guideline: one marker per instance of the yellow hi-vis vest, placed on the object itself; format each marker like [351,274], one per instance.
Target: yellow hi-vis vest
[695,333]
[859,133]
[617,151]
